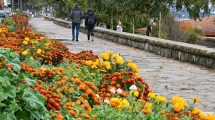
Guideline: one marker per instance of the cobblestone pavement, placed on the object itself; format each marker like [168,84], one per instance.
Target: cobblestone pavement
[165,76]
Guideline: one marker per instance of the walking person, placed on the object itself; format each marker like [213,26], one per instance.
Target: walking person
[76,16]
[90,22]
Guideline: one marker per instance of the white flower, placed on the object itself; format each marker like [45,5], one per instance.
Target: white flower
[133,87]
[113,90]
[97,95]
[119,91]
[106,101]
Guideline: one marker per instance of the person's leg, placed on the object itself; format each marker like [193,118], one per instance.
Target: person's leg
[92,33]
[73,31]
[77,30]
[88,33]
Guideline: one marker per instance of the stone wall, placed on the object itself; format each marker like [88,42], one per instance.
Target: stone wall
[194,54]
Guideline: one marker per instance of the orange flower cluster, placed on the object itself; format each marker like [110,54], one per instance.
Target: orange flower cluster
[81,56]
[122,81]
[53,101]
[47,74]
[26,67]
[54,54]
[10,42]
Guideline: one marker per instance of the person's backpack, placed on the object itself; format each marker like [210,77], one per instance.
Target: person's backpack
[91,20]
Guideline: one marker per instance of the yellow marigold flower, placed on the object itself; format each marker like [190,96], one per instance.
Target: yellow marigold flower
[148,106]
[133,66]
[109,53]
[107,65]
[42,69]
[210,117]
[105,56]
[25,52]
[31,58]
[25,42]
[32,42]
[195,99]
[119,60]
[39,51]
[27,39]
[179,106]
[134,92]
[128,61]
[123,103]
[177,99]
[136,70]
[152,95]
[115,56]
[93,66]
[88,63]
[160,99]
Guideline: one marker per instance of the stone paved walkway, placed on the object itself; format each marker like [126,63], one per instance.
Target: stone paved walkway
[165,76]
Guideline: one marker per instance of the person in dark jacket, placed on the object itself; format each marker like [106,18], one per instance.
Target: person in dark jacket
[90,22]
[76,16]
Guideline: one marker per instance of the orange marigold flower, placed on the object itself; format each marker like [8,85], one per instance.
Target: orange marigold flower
[146,111]
[85,115]
[72,112]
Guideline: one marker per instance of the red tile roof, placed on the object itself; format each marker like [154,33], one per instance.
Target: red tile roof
[207,24]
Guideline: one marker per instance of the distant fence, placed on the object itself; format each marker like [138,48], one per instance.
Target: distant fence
[194,54]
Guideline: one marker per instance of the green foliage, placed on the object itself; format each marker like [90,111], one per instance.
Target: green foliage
[16,98]
[193,35]
[11,57]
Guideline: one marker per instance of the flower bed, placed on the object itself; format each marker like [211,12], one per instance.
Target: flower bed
[42,79]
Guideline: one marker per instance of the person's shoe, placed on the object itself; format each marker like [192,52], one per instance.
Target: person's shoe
[92,38]
[72,39]
[77,40]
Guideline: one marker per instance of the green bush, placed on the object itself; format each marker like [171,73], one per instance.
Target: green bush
[191,36]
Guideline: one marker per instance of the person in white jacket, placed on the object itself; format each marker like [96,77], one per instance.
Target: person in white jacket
[119,27]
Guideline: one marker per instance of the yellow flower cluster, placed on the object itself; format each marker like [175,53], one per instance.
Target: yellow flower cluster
[179,103]
[134,92]
[27,39]
[47,44]
[42,69]
[148,106]
[134,67]
[98,63]
[119,103]
[89,63]
[209,117]
[152,95]
[160,99]
[197,111]
[3,30]
[107,65]
[39,51]
[119,59]
[25,52]
[106,55]
[25,42]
